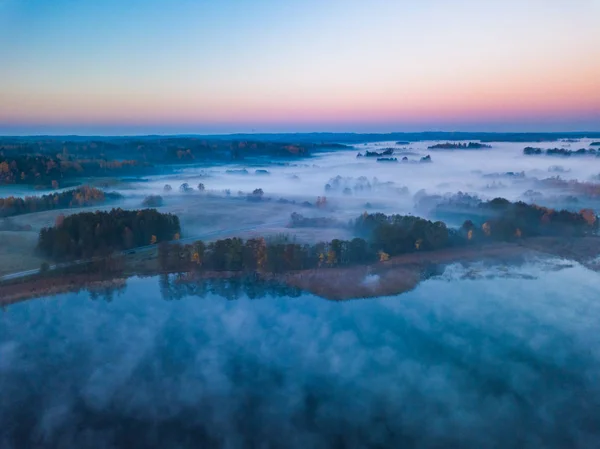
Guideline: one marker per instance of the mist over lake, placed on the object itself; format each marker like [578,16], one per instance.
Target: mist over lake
[462,361]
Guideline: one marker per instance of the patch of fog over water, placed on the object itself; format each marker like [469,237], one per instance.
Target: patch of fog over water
[458,362]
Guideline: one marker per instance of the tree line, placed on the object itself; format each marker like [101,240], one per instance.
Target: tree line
[155,150]
[79,197]
[262,255]
[52,171]
[91,234]
[379,237]
[532,151]
[459,146]
[501,219]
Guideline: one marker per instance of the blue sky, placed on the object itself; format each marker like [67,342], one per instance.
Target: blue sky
[226,66]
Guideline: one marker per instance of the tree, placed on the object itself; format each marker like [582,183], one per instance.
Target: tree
[59,220]
[257,195]
[153,201]
[201,187]
[358,251]
[168,188]
[185,187]
[383,257]
[589,216]
[128,240]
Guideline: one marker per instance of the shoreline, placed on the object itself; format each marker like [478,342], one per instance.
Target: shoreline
[395,276]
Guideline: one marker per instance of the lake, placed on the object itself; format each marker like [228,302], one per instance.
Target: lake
[477,357]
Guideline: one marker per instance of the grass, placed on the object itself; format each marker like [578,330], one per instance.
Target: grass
[17,252]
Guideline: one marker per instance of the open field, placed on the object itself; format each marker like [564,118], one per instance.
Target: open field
[17,251]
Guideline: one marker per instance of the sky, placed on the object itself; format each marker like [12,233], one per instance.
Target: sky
[217,66]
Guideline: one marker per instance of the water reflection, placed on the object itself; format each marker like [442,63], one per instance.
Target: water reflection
[178,286]
[454,363]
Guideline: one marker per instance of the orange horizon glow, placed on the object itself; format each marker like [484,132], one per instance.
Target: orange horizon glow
[445,65]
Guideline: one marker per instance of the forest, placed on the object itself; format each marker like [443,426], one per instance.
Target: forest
[79,197]
[505,220]
[533,151]
[50,162]
[459,146]
[51,171]
[91,234]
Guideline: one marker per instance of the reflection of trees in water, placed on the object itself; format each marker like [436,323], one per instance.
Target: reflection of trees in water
[178,286]
[108,291]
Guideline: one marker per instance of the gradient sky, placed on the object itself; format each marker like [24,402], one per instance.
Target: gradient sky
[209,66]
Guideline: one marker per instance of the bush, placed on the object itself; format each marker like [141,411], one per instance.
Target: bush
[153,201]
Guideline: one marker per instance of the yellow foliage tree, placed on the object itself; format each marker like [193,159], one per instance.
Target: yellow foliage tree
[487,229]
[383,257]
[331,257]
[153,240]
[321,258]
[196,257]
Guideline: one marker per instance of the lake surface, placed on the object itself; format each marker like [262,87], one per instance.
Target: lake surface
[475,358]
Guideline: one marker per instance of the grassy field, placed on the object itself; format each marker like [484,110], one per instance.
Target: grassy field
[17,252]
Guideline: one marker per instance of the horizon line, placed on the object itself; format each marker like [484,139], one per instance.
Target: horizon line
[356,133]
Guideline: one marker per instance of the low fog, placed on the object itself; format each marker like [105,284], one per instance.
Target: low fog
[350,185]
[353,185]
[455,363]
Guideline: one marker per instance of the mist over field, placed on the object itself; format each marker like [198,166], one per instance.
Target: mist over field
[501,171]
[353,185]
[463,169]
